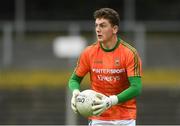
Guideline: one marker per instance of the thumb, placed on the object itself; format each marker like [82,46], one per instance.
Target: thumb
[76,92]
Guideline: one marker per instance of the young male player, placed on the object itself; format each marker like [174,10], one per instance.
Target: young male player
[115,71]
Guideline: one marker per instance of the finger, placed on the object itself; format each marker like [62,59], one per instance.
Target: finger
[75,96]
[74,108]
[76,92]
[73,105]
[97,102]
[98,95]
[95,107]
[98,112]
[75,111]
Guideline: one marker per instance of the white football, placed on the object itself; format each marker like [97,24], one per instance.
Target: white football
[85,101]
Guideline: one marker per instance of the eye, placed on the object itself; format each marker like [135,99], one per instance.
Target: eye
[102,25]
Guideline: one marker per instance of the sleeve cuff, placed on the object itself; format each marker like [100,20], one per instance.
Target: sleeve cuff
[114,99]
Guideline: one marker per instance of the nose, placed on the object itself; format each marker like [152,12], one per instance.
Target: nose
[97,28]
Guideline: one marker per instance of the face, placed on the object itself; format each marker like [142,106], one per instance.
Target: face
[104,30]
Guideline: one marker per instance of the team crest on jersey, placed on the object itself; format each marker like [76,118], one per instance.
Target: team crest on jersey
[117,62]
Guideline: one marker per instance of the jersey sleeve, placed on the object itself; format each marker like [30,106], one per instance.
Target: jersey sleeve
[83,64]
[133,64]
[131,92]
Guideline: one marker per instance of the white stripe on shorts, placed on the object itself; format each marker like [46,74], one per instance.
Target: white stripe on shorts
[112,122]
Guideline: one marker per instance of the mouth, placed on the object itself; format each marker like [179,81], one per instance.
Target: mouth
[99,36]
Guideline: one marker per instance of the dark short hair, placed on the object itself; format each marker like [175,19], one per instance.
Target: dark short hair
[108,13]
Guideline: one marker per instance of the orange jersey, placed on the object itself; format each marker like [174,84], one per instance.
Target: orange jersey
[109,72]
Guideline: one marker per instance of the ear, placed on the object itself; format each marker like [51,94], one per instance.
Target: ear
[115,29]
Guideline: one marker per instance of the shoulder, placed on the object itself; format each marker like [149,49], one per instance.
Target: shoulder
[89,51]
[91,48]
[127,48]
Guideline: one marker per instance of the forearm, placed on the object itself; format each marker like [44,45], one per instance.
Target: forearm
[131,92]
[74,82]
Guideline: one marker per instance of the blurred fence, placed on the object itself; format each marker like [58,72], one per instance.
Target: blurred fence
[33,80]
[157,42]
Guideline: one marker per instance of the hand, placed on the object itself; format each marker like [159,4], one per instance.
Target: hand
[73,100]
[103,103]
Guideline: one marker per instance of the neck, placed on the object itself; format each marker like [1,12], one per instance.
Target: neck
[109,44]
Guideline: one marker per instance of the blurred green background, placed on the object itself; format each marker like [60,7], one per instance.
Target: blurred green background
[33,78]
